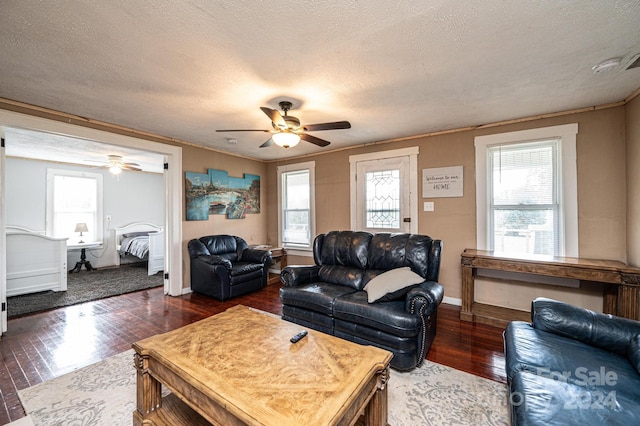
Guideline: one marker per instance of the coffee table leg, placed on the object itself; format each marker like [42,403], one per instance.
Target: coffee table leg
[375,414]
[148,389]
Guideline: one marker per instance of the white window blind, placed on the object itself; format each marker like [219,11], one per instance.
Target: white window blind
[524,203]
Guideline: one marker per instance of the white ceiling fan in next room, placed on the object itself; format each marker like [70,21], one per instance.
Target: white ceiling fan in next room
[116,165]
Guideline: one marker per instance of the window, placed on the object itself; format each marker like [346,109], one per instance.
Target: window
[72,198]
[296,210]
[524,205]
[527,192]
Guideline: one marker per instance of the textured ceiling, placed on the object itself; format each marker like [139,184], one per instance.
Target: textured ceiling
[183,69]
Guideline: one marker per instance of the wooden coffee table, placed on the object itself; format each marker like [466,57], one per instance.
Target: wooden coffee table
[238,367]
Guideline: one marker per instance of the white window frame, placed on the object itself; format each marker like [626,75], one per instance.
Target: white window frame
[310,166]
[51,174]
[568,181]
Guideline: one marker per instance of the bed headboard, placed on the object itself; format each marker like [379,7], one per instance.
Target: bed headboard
[132,227]
[12,229]
[29,273]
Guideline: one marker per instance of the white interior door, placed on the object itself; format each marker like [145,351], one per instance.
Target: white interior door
[383,195]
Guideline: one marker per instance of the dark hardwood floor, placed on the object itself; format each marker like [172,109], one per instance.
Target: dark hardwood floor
[43,346]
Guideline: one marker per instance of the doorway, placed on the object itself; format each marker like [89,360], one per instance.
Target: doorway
[384,188]
[172,182]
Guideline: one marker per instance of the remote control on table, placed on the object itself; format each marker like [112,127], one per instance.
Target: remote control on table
[298,337]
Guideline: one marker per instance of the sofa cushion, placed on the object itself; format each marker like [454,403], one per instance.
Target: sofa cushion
[392,284]
[390,251]
[245,277]
[594,328]
[342,248]
[544,401]
[369,336]
[224,245]
[318,297]
[390,317]
[308,318]
[342,275]
[550,355]
[241,268]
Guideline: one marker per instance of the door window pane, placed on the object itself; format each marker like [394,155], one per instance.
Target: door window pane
[382,199]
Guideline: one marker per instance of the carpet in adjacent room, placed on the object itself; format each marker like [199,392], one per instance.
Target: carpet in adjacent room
[85,286]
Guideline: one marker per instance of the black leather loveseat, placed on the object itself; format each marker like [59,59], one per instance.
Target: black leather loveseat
[223,266]
[572,366]
[333,296]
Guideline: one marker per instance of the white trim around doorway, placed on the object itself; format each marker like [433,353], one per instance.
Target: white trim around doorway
[172,176]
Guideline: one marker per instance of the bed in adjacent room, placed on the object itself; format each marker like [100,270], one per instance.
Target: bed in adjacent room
[35,262]
[140,241]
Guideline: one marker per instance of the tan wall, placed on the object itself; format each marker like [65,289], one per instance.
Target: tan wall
[608,194]
[633,181]
[252,228]
[601,196]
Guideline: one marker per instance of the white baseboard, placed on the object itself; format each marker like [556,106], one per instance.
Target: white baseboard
[452,301]
[186,290]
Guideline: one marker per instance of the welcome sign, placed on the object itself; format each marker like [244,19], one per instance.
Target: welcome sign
[442,182]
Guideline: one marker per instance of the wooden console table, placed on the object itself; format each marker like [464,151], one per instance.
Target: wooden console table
[278,254]
[621,283]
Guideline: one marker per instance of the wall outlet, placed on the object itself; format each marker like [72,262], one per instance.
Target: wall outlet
[428,206]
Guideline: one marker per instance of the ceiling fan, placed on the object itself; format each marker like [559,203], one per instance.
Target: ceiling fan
[116,165]
[287,130]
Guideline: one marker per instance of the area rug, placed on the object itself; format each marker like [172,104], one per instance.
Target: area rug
[104,394]
[84,287]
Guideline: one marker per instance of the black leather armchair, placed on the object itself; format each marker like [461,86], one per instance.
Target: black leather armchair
[223,266]
[332,296]
[573,366]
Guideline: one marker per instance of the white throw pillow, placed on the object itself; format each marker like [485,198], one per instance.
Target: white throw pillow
[391,281]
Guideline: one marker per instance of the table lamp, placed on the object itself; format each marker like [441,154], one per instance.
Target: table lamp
[81,227]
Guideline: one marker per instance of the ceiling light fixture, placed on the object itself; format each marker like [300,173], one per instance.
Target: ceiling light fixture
[605,66]
[286,139]
[115,168]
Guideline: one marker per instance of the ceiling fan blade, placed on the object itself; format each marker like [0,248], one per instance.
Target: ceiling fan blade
[275,116]
[244,130]
[327,126]
[314,140]
[267,143]
[131,164]
[131,168]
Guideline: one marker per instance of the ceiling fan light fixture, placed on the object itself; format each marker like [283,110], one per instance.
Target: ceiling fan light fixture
[115,169]
[286,139]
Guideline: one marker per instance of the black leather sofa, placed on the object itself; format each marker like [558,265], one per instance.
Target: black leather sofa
[223,266]
[572,366]
[330,297]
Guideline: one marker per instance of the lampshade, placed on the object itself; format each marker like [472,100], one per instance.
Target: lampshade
[115,169]
[81,227]
[286,139]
